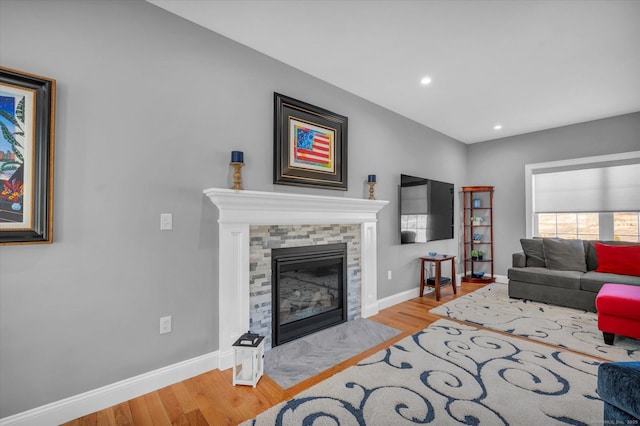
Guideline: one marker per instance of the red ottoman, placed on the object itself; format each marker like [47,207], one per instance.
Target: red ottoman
[618,308]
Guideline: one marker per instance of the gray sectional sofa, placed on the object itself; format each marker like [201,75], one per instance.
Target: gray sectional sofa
[561,272]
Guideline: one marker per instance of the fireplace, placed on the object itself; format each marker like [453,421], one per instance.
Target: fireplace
[240,210]
[309,290]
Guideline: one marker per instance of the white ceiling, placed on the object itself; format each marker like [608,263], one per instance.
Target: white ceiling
[526,64]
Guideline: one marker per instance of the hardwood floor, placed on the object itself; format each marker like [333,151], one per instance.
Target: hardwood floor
[211,399]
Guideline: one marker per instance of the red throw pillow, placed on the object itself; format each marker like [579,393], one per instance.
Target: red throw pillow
[624,260]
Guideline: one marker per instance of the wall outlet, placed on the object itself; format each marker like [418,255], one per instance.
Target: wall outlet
[165,325]
[166,222]
[389,275]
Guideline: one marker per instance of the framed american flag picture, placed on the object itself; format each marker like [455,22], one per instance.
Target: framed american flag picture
[310,145]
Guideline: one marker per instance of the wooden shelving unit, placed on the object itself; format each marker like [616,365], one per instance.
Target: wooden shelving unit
[478,234]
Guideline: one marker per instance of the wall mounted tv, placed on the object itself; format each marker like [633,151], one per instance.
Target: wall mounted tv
[426,210]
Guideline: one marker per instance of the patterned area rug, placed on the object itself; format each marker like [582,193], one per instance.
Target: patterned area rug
[452,373]
[569,328]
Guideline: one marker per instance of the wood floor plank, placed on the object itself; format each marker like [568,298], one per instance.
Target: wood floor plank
[106,417]
[183,397]
[122,414]
[140,412]
[194,418]
[90,421]
[208,389]
[211,399]
[156,408]
[173,408]
[270,392]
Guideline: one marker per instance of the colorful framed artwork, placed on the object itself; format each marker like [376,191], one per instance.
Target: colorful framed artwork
[27,107]
[310,145]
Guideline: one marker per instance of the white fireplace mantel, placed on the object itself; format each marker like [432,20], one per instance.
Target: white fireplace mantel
[238,210]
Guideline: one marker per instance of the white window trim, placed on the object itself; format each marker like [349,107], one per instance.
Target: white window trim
[531,169]
[606,226]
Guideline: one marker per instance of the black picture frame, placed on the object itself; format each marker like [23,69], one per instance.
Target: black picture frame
[310,145]
[27,128]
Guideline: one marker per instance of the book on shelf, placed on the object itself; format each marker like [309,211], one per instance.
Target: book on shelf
[443,280]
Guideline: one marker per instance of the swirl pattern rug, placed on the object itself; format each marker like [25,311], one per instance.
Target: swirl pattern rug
[451,373]
[568,328]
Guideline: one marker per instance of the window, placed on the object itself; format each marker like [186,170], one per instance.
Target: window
[618,226]
[584,226]
[626,227]
[585,198]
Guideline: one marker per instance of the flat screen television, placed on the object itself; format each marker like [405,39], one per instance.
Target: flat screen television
[426,210]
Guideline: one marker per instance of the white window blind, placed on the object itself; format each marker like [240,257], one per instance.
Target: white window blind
[600,189]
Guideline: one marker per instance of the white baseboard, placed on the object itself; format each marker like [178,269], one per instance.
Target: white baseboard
[225,360]
[398,298]
[387,302]
[98,399]
[370,310]
[502,279]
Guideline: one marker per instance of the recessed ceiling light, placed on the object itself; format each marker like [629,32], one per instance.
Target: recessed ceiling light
[425,81]
[497,127]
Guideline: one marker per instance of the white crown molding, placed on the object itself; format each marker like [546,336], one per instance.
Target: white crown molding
[277,208]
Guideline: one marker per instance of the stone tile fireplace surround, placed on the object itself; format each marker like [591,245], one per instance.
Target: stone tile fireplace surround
[265,238]
[240,211]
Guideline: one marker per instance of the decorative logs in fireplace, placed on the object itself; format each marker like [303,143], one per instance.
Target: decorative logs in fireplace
[309,290]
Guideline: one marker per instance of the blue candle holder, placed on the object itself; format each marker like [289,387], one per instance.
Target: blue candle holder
[237,161]
[237,157]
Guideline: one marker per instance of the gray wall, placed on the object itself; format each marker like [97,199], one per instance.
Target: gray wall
[149,107]
[501,163]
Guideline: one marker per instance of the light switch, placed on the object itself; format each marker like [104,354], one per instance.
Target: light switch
[166,222]
[165,325]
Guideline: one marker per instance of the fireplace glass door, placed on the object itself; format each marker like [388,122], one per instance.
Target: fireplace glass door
[309,290]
